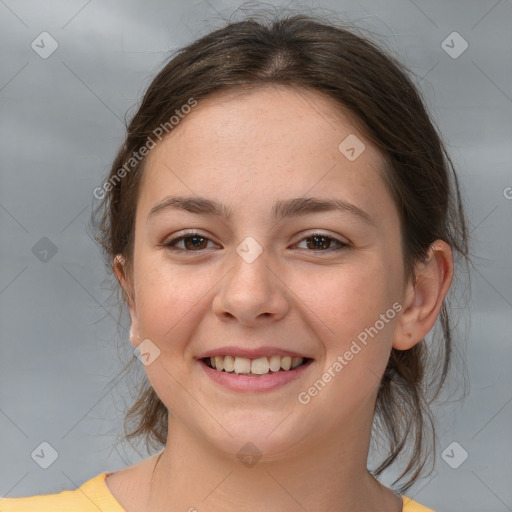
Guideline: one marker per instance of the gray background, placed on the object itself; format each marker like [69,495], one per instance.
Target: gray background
[62,121]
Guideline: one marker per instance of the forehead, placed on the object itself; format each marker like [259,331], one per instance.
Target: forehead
[278,117]
[262,143]
[246,113]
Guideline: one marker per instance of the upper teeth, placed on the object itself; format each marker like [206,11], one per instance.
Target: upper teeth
[259,366]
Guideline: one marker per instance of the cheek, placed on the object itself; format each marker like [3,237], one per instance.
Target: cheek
[357,307]
[349,299]
[169,299]
[168,304]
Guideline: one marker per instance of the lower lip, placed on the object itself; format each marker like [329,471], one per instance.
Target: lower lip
[245,383]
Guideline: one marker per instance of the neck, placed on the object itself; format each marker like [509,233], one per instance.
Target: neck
[190,475]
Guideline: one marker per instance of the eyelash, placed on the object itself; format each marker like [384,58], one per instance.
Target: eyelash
[172,243]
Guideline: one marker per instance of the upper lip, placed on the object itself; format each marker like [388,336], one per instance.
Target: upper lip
[253,353]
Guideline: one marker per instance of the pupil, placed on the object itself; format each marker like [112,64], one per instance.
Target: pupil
[316,238]
[196,238]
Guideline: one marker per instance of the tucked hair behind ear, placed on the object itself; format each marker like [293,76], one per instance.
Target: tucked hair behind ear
[360,78]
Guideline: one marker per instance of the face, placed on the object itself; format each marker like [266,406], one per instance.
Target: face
[320,284]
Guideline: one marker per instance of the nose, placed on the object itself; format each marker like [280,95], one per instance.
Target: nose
[251,293]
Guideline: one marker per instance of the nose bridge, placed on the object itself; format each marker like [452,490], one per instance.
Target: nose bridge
[250,289]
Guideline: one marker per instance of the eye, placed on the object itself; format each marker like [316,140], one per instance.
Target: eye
[319,242]
[192,240]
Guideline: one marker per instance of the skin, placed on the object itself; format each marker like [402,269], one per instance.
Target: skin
[247,151]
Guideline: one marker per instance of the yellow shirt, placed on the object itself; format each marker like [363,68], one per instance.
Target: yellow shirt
[95,496]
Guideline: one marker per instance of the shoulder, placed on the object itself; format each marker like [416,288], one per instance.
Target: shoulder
[412,506]
[92,496]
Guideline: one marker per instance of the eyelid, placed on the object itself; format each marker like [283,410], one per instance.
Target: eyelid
[342,242]
[178,237]
[339,245]
[339,238]
[186,232]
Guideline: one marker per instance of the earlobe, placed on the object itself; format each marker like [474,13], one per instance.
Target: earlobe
[134,333]
[118,266]
[120,272]
[424,296]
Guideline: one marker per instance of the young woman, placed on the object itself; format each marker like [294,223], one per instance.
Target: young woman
[283,219]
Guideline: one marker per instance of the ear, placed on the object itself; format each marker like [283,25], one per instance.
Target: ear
[424,296]
[121,273]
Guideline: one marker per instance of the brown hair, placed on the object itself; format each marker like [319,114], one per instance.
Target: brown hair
[361,78]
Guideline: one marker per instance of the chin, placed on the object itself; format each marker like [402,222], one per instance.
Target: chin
[256,436]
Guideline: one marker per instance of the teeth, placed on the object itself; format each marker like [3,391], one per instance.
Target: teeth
[259,366]
[275,363]
[286,363]
[242,365]
[297,361]
[218,363]
[229,363]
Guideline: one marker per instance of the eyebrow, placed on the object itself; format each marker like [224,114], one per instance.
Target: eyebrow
[282,209]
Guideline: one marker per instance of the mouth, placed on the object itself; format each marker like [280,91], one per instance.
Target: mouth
[258,367]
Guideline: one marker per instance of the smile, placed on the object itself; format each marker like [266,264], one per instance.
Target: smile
[254,367]
[261,374]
